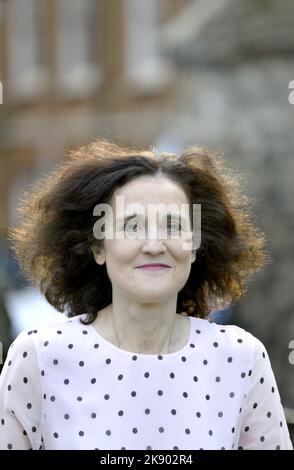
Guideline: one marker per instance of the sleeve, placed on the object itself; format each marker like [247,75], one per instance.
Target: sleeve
[264,426]
[20,397]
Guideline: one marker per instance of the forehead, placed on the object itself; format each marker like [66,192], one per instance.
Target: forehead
[151,190]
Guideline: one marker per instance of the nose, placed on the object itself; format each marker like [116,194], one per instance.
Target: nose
[153,246]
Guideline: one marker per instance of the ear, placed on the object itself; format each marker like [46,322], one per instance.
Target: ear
[98,253]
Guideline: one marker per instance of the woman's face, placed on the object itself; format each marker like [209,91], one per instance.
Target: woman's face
[145,239]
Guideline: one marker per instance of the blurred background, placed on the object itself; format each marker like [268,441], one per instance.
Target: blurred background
[167,73]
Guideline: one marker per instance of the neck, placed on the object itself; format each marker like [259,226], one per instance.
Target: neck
[147,330]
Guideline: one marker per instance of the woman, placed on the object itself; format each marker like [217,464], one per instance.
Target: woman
[139,366]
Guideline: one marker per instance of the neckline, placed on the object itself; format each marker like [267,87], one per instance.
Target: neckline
[151,356]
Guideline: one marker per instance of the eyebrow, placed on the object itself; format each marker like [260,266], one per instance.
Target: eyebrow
[125,218]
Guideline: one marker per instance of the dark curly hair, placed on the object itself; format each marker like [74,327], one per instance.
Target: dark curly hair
[54,237]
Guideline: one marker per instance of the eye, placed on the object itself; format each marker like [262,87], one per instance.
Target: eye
[129,226]
[175,226]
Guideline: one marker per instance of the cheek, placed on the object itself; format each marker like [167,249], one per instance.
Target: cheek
[182,262]
[180,255]
[121,253]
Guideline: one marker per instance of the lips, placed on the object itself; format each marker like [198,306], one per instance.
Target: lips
[154,265]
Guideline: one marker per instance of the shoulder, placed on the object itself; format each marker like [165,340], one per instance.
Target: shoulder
[29,340]
[229,333]
[230,339]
